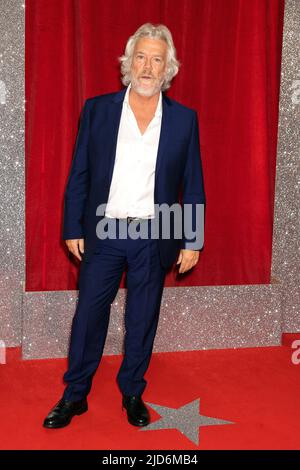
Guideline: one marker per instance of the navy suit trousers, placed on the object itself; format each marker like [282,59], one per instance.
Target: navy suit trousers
[99,280]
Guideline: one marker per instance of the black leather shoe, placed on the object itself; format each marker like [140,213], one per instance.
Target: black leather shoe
[63,412]
[137,412]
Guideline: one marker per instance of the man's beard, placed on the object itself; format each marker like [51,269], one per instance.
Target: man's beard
[155,88]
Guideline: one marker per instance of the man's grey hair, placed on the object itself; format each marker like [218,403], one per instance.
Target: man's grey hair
[151,31]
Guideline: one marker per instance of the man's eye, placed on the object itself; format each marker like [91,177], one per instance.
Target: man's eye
[157,59]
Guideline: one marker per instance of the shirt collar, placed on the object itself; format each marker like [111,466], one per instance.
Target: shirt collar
[158,111]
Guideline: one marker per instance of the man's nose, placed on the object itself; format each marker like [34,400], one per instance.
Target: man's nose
[148,63]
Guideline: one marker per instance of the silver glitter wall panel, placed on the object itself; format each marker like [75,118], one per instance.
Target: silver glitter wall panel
[202,317]
[11,170]
[190,318]
[286,259]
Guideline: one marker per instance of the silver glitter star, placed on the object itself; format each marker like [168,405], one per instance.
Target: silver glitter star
[185,419]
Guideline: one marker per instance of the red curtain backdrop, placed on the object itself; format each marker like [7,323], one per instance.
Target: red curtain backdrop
[230,52]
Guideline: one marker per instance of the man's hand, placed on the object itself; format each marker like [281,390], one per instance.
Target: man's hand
[187,259]
[75,245]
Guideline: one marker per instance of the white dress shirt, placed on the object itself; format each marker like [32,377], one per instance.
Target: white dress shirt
[132,187]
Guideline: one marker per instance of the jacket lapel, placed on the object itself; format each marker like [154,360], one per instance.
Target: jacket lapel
[114,117]
[164,133]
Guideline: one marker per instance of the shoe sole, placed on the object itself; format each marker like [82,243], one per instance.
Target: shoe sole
[57,426]
[137,424]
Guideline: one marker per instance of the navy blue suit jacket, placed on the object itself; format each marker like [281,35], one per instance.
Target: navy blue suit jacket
[178,167]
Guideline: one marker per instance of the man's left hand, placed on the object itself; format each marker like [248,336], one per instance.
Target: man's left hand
[187,259]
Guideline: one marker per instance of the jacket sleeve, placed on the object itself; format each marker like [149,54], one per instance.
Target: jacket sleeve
[77,186]
[193,194]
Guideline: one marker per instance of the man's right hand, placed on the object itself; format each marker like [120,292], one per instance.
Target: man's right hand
[75,245]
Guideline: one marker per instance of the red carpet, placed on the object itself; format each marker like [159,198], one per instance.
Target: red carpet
[258,389]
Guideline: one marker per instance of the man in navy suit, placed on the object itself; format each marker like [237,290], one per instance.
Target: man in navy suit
[135,151]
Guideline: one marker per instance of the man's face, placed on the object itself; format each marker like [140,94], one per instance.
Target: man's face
[148,66]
